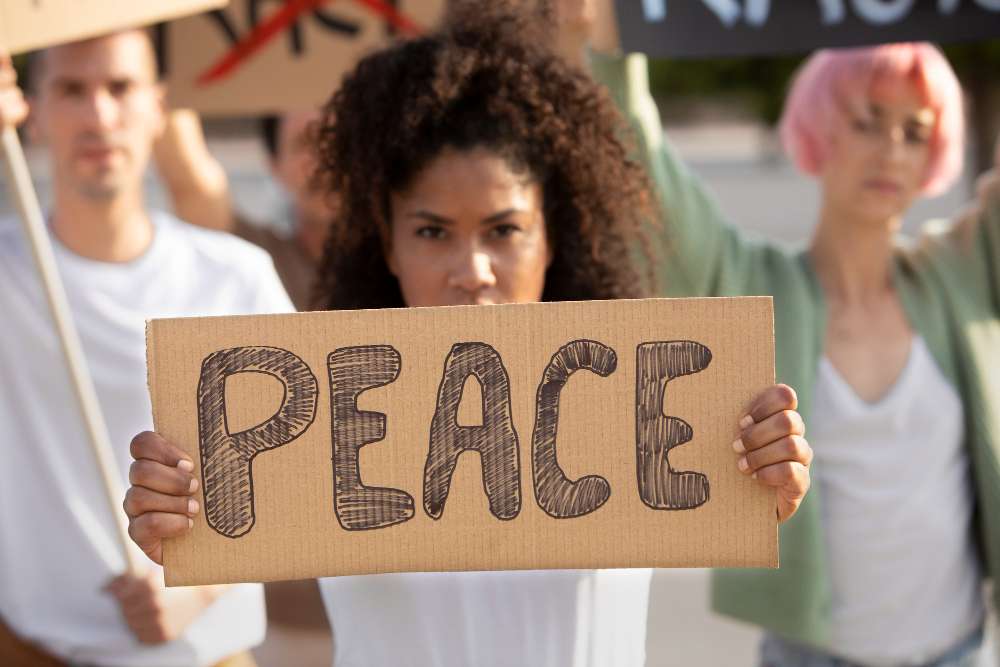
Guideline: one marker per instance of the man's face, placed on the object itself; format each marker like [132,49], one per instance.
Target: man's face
[295,167]
[99,109]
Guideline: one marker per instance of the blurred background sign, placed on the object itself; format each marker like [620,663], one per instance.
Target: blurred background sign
[269,56]
[712,28]
[31,24]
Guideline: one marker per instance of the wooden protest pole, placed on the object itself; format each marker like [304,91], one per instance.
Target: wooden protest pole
[26,200]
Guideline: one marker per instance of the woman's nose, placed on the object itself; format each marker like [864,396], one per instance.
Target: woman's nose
[101,109]
[895,145]
[472,270]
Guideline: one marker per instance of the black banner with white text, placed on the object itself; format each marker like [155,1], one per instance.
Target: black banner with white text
[718,28]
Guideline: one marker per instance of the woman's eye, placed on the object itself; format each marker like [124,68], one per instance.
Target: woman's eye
[432,232]
[504,231]
[863,125]
[917,137]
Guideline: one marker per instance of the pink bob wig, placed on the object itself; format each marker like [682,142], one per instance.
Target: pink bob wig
[830,77]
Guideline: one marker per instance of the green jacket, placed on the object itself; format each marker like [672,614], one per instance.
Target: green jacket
[949,283]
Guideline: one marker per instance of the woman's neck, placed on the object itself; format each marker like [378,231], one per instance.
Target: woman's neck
[853,256]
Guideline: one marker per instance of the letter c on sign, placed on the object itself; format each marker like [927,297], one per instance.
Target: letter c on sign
[559,497]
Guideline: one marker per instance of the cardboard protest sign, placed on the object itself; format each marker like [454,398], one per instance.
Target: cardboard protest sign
[26,25]
[530,436]
[708,28]
[266,56]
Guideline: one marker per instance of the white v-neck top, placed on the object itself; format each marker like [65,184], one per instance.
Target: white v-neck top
[897,501]
[545,618]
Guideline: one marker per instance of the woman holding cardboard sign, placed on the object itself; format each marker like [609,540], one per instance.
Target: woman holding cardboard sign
[893,351]
[476,167]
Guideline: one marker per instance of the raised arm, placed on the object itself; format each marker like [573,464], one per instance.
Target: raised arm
[982,226]
[991,235]
[694,243]
[13,108]
[198,185]
[967,249]
[699,253]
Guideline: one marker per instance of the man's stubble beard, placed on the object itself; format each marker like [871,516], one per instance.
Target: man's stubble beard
[98,193]
[104,188]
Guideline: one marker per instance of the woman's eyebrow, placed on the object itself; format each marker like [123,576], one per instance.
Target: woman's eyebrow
[500,216]
[64,81]
[427,215]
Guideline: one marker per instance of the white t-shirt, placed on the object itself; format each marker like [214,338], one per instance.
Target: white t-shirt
[897,501]
[58,549]
[546,618]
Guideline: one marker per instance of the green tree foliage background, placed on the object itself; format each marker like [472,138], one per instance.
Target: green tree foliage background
[757,86]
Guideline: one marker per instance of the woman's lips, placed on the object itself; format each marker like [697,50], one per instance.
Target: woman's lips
[884,186]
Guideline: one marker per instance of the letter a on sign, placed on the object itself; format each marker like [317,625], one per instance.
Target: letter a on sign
[495,440]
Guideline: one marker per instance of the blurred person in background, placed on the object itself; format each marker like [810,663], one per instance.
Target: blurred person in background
[892,348]
[200,191]
[98,108]
[474,166]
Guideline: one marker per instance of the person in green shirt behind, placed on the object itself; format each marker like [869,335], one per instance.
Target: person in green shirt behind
[893,348]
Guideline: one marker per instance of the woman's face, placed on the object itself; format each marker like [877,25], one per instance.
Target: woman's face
[468,230]
[879,156]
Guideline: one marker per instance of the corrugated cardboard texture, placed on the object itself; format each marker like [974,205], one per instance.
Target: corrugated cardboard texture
[277,515]
[298,69]
[26,25]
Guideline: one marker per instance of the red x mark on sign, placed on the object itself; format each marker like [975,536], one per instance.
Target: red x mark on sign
[286,16]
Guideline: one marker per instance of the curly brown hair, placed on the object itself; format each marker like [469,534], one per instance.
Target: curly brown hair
[485,79]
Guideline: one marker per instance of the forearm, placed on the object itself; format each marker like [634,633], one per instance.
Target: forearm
[990,234]
[202,206]
[198,185]
[968,246]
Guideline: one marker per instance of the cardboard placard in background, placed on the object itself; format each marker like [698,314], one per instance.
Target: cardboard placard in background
[26,25]
[327,443]
[297,68]
[715,28]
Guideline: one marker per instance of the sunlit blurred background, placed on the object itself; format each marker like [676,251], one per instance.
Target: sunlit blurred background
[721,116]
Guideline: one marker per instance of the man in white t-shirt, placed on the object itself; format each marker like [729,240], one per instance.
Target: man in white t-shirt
[98,107]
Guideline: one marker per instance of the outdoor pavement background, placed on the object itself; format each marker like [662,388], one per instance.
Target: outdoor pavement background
[757,189]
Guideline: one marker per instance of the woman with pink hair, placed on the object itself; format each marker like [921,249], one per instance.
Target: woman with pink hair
[892,347]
